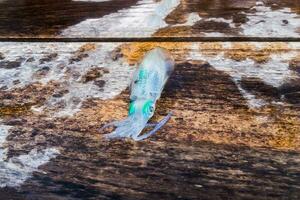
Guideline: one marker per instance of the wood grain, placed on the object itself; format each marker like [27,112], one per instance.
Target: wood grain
[46,18]
[132,19]
[216,146]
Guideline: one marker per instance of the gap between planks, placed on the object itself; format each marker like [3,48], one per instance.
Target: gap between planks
[154,39]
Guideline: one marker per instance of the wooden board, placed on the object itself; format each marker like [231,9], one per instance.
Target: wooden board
[150,19]
[234,133]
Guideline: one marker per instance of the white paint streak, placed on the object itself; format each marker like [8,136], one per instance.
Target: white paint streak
[141,20]
[192,18]
[68,75]
[116,81]
[271,23]
[220,19]
[274,72]
[15,171]
[252,100]
[263,21]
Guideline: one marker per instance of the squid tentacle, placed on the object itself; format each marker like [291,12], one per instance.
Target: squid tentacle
[118,133]
[123,128]
[157,127]
[114,123]
[127,128]
[151,124]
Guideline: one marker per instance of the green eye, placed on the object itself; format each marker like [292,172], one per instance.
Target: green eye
[131,109]
[148,108]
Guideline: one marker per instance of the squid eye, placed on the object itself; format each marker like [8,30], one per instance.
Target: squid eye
[148,108]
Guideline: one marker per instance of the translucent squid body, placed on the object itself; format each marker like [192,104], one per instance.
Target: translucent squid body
[146,87]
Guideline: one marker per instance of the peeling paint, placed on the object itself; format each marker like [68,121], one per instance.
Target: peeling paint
[141,20]
[133,52]
[253,101]
[67,71]
[234,18]
[272,23]
[16,170]
[275,71]
[191,19]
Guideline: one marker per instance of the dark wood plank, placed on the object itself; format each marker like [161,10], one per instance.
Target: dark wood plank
[150,18]
[91,169]
[48,17]
[235,18]
[234,133]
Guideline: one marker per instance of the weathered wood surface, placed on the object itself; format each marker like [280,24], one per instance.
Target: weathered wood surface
[149,18]
[46,18]
[234,134]
[93,169]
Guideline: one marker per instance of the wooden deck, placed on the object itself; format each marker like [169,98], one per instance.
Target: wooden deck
[235,133]
[148,18]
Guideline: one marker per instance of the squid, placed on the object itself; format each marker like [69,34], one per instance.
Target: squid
[146,87]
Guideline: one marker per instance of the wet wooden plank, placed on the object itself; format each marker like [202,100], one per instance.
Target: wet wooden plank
[47,18]
[149,19]
[170,170]
[234,133]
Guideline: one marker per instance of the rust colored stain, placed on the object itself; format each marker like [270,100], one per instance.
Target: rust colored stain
[211,49]
[174,31]
[134,52]
[242,51]
[15,110]
[87,47]
[287,133]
